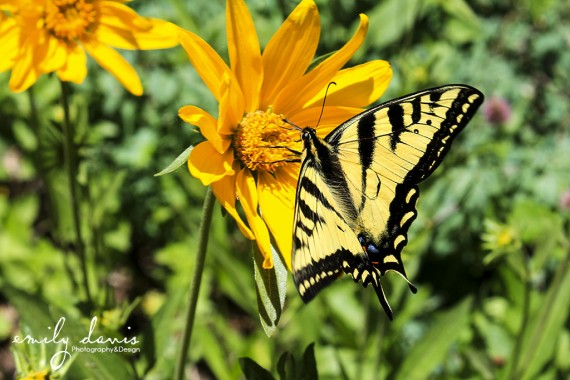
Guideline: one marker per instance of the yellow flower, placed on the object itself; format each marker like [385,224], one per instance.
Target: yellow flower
[37,375]
[244,157]
[44,36]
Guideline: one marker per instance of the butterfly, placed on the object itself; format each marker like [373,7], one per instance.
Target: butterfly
[358,187]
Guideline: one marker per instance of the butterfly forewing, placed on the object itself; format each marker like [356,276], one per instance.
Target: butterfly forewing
[379,158]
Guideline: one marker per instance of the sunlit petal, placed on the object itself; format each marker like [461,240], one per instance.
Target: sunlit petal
[75,68]
[206,164]
[25,71]
[114,63]
[332,116]
[117,14]
[225,192]
[208,126]
[209,65]
[122,27]
[55,57]
[9,34]
[243,48]
[298,93]
[357,86]
[247,193]
[276,201]
[231,106]
[290,51]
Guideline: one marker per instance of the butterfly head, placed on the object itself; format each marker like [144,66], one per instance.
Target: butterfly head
[308,135]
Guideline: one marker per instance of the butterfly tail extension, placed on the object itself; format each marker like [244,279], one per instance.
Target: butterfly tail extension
[382,297]
[367,274]
[374,279]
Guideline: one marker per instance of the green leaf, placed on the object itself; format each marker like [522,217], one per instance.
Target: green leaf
[99,366]
[286,366]
[462,12]
[432,349]
[213,352]
[309,364]
[157,344]
[481,363]
[562,357]
[271,287]
[254,371]
[178,162]
[392,20]
[539,341]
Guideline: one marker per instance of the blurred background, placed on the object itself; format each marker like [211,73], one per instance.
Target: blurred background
[489,252]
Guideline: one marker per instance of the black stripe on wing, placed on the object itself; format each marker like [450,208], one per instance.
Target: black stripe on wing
[449,129]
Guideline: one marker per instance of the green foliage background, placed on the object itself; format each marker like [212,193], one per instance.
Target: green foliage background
[490,251]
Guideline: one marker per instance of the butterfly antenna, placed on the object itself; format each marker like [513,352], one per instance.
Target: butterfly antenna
[295,126]
[324,101]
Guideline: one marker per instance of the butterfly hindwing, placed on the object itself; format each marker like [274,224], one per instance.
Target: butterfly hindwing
[322,237]
[368,168]
[324,244]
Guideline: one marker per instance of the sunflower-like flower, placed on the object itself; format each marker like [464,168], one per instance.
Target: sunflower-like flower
[249,152]
[43,36]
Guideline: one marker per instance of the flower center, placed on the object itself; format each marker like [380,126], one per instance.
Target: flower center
[70,19]
[261,141]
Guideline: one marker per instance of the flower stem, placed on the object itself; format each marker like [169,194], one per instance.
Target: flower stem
[71,168]
[196,280]
[43,174]
[524,321]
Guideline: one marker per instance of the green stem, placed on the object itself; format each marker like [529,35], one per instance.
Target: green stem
[549,305]
[71,168]
[196,280]
[43,174]
[524,322]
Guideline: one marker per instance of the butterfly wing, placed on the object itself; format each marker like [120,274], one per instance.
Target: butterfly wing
[386,151]
[324,244]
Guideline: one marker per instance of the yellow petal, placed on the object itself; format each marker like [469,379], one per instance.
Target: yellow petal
[231,108]
[207,124]
[9,34]
[277,201]
[117,14]
[332,117]
[113,62]
[295,95]
[209,65]
[56,56]
[357,86]
[25,71]
[122,27]
[75,68]
[244,52]
[206,164]
[225,192]
[247,193]
[290,51]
